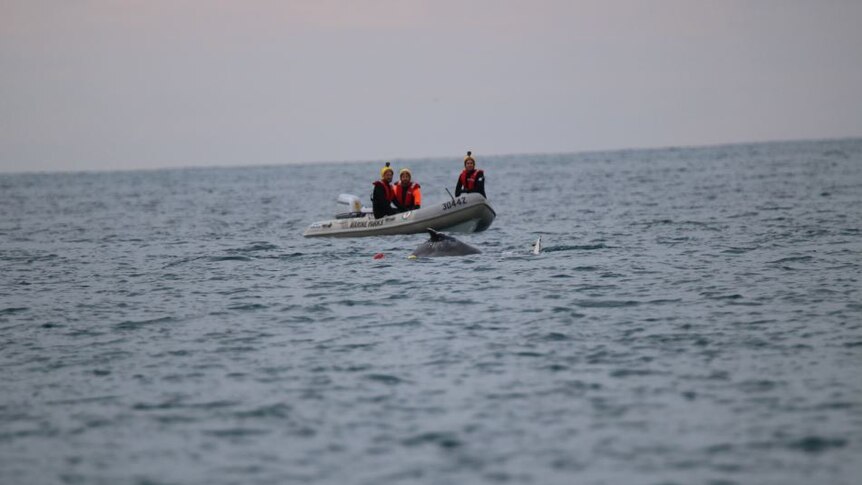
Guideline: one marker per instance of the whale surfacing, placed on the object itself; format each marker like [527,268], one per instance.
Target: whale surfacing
[442,245]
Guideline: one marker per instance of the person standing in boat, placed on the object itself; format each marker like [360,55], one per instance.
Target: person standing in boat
[470,180]
[408,197]
[383,194]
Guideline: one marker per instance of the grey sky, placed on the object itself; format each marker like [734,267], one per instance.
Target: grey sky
[118,84]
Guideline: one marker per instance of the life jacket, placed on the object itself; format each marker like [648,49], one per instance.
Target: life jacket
[468,181]
[406,197]
[387,189]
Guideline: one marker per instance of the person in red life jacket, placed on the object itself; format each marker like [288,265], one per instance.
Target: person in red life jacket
[407,194]
[470,180]
[383,195]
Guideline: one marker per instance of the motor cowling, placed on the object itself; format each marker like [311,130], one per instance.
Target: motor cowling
[352,201]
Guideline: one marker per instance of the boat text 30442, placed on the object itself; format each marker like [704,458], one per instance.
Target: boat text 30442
[454,202]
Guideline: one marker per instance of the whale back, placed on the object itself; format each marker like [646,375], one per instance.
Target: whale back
[440,244]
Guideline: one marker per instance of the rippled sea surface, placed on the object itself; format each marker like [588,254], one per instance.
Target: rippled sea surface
[695,317]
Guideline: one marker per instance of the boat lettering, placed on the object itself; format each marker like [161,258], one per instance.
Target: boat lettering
[366,223]
[454,203]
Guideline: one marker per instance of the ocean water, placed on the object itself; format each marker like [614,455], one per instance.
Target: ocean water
[695,317]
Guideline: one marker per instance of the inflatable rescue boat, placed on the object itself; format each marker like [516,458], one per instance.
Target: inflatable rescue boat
[465,213]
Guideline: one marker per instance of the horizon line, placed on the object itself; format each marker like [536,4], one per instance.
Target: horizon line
[430,157]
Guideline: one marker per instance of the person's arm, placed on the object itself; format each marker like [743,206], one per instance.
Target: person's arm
[458,187]
[417,197]
[480,184]
[378,202]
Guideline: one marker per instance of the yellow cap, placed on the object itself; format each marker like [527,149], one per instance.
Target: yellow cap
[469,157]
[384,169]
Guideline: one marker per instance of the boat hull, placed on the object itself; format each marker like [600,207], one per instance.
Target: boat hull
[466,213]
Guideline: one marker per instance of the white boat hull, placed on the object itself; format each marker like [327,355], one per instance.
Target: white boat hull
[465,213]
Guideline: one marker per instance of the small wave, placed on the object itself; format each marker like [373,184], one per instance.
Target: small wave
[349,302]
[550,337]
[134,324]
[169,404]
[83,400]
[290,255]
[758,385]
[620,373]
[387,379]
[13,310]
[180,261]
[816,444]
[391,323]
[663,301]
[176,403]
[174,419]
[278,410]
[774,208]
[657,222]
[792,259]
[606,303]
[247,307]
[529,353]
[837,405]
[442,439]
[738,250]
[576,247]
[236,432]
[671,222]
[254,247]
[713,296]
[216,259]
[212,404]
[457,301]
[763,321]
[590,287]
[743,214]
[719,448]
[228,349]
[298,319]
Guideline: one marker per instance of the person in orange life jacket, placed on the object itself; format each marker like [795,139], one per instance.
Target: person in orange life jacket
[383,195]
[407,194]
[470,180]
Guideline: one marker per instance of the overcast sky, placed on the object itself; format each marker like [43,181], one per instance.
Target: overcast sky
[117,84]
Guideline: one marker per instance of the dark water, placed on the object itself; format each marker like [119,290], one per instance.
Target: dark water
[696,317]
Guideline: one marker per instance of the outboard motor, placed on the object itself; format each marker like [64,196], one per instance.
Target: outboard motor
[352,201]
